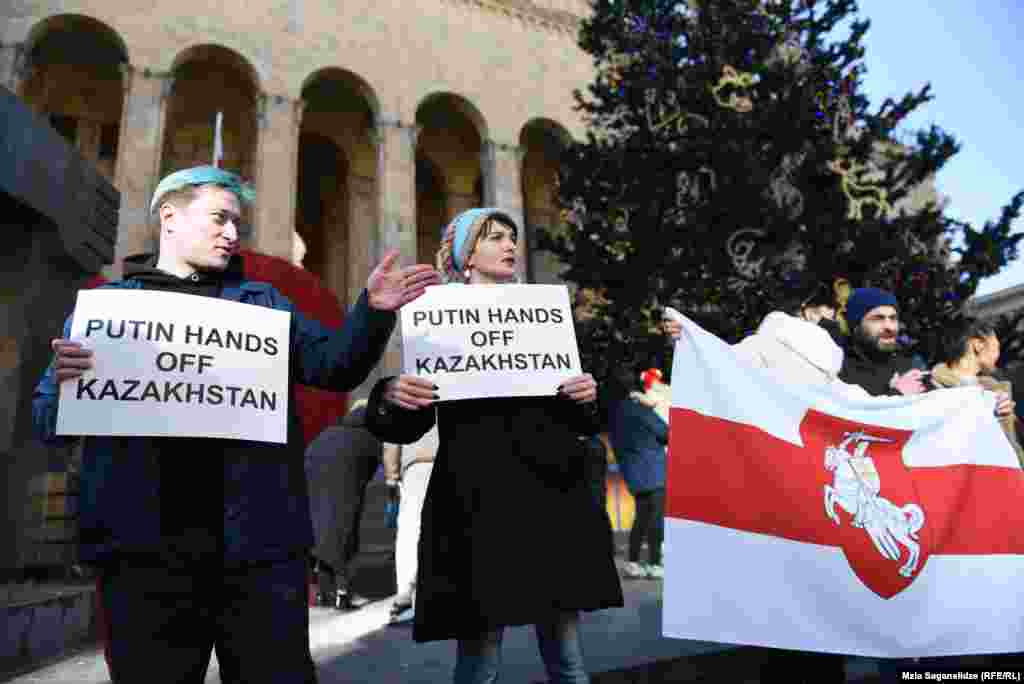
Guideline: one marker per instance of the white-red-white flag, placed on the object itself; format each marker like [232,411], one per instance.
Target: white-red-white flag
[800,518]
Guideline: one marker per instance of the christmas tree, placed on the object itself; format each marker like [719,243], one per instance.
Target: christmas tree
[731,158]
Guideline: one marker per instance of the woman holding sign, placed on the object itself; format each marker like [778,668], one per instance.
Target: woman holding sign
[510,532]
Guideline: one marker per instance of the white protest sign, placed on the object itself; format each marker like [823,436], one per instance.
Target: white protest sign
[169,364]
[477,341]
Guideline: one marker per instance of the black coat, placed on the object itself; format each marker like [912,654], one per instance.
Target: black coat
[510,531]
[340,463]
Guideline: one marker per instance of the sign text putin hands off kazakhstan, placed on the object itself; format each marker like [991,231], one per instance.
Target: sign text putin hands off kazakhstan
[477,341]
[170,364]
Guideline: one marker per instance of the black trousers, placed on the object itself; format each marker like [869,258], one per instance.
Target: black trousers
[351,496]
[165,622]
[649,525]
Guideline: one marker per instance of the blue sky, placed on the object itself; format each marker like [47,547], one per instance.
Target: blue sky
[972,54]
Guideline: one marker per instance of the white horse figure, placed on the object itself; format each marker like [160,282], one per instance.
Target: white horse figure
[855,488]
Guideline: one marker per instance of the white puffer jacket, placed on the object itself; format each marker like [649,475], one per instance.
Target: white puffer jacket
[797,351]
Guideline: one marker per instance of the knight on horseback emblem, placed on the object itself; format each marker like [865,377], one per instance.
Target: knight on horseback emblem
[855,488]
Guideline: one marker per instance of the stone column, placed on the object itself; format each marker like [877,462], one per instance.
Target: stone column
[278,119]
[396,188]
[362,233]
[396,174]
[139,148]
[13,66]
[502,167]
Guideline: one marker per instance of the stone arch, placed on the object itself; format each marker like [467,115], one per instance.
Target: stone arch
[230,57]
[340,110]
[58,23]
[207,79]
[356,83]
[458,103]
[542,142]
[452,137]
[74,78]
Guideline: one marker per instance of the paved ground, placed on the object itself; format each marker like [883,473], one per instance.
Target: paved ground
[621,646]
[361,647]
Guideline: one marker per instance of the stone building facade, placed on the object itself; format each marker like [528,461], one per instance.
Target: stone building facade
[364,126]
[1003,302]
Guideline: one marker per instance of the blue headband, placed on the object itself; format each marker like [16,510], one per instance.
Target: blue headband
[202,175]
[464,223]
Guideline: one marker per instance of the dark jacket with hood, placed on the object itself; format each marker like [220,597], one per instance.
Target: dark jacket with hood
[173,500]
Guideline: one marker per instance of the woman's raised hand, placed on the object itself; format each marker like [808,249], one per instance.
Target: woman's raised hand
[411,392]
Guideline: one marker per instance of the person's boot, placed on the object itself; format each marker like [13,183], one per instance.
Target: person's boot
[345,599]
[327,587]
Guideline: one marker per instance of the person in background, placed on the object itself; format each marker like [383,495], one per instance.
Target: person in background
[968,354]
[639,436]
[407,471]
[340,462]
[874,358]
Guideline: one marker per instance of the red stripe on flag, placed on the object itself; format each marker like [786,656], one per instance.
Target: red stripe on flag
[737,476]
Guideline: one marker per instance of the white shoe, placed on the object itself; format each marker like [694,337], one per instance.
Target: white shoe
[633,570]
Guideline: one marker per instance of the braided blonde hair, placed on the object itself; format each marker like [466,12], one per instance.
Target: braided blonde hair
[446,260]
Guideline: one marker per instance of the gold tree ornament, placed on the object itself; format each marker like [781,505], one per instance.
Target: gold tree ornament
[668,115]
[860,192]
[740,80]
[841,290]
[588,303]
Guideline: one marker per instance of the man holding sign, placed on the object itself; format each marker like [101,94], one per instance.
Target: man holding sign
[203,541]
[510,533]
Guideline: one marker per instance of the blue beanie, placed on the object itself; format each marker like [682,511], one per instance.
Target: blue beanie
[865,299]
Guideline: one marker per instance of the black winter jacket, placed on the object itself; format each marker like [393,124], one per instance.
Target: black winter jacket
[873,370]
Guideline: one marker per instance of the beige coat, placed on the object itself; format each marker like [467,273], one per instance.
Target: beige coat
[944,376]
